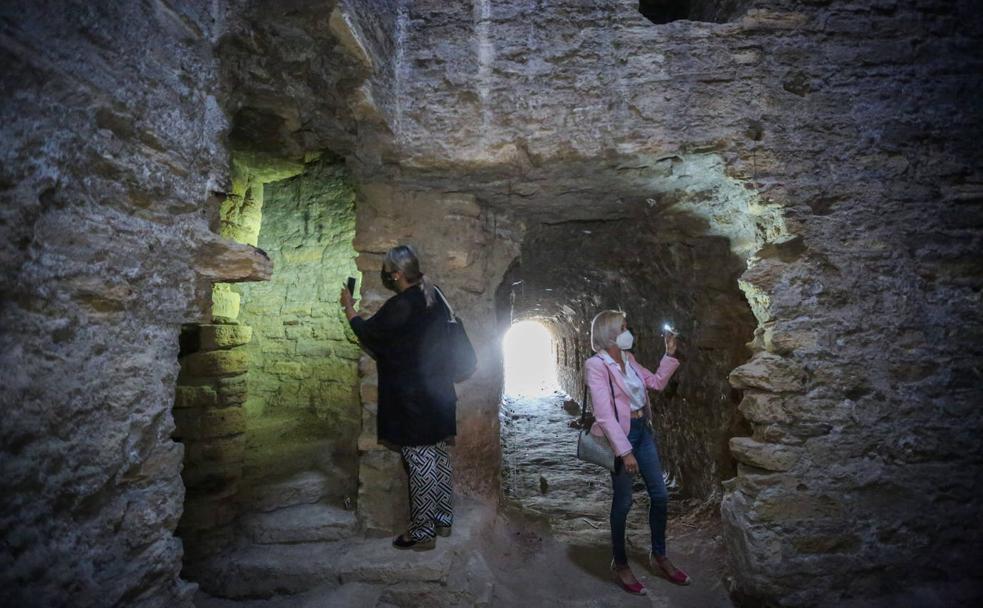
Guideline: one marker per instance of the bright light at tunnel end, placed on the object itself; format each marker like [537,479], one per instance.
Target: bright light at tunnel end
[529,366]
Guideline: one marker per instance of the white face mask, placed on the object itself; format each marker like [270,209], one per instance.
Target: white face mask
[625,340]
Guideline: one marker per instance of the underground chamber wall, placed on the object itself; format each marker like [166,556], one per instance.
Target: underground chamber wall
[268,411]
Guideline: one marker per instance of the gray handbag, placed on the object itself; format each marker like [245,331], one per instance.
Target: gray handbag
[591,448]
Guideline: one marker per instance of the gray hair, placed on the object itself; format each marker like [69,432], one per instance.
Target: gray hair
[403,258]
[604,329]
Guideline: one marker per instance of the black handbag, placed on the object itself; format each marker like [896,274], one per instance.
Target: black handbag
[591,448]
[460,360]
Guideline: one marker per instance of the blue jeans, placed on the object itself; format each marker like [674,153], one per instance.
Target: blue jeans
[643,448]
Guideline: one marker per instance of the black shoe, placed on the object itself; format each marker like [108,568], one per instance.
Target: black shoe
[405,542]
[444,531]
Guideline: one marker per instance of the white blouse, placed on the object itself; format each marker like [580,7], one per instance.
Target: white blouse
[634,383]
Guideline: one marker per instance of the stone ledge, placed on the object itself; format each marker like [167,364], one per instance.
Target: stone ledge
[768,456]
[305,487]
[223,260]
[771,373]
[315,522]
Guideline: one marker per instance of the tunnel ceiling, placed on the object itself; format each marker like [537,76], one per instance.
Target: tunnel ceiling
[691,194]
[291,81]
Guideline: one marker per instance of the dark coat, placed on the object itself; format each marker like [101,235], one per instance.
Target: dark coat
[417,404]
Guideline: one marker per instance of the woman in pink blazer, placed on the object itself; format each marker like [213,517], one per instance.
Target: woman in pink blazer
[619,383]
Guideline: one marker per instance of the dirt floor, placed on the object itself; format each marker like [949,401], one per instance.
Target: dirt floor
[551,541]
[546,543]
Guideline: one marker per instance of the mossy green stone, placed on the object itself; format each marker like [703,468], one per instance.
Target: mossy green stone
[216,363]
[214,337]
[195,396]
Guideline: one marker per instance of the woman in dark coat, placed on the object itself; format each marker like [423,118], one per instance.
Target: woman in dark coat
[417,402]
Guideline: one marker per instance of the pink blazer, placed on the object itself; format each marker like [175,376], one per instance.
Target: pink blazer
[597,372]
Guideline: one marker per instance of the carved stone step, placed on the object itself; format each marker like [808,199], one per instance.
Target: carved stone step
[453,569]
[304,488]
[355,595]
[300,524]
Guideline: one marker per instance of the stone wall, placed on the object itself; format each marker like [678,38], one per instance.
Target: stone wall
[112,151]
[302,411]
[852,126]
[852,123]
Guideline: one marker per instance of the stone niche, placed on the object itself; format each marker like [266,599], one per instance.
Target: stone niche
[267,403]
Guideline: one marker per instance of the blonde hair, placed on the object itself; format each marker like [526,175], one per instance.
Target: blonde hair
[403,258]
[604,329]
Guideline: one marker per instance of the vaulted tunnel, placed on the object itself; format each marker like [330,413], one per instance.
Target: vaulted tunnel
[657,258]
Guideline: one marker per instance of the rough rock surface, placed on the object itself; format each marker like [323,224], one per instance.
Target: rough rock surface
[851,127]
[853,131]
[112,148]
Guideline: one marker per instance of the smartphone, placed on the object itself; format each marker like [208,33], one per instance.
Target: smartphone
[351,285]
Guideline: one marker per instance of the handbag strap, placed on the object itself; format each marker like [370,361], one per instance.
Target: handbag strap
[443,299]
[583,409]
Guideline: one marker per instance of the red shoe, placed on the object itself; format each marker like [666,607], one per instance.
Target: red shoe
[635,588]
[671,572]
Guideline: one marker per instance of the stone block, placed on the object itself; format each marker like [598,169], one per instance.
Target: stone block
[195,396]
[334,368]
[215,337]
[311,347]
[769,372]
[225,303]
[783,342]
[300,309]
[329,331]
[796,507]
[305,487]
[382,491]
[232,390]
[768,456]
[368,392]
[367,441]
[763,407]
[205,423]
[298,332]
[367,368]
[369,262]
[221,259]
[301,523]
[289,369]
[215,363]
[460,204]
